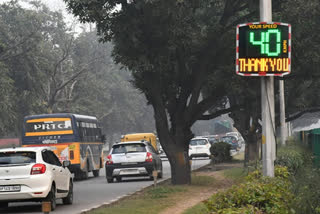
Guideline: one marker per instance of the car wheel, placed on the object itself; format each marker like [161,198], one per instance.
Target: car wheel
[96,173]
[69,198]
[119,179]
[52,198]
[77,175]
[110,180]
[4,204]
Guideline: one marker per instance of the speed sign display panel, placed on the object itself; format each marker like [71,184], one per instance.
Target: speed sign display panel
[263,49]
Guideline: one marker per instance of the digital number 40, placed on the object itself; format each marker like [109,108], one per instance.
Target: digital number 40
[265,42]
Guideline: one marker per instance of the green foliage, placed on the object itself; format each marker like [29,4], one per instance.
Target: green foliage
[258,195]
[306,187]
[294,157]
[220,152]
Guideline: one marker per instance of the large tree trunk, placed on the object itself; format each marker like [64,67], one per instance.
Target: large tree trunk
[175,143]
[180,166]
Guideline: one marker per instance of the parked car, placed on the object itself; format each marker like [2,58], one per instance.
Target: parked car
[232,140]
[199,147]
[238,136]
[131,159]
[34,174]
[162,152]
[212,139]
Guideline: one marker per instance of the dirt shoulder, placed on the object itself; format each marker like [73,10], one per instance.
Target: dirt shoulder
[199,194]
[168,199]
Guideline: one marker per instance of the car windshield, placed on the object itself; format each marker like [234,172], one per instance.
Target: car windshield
[198,142]
[212,140]
[17,158]
[226,139]
[127,148]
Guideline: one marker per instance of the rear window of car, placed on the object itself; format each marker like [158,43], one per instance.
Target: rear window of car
[127,148]
[198,142]
[17,158]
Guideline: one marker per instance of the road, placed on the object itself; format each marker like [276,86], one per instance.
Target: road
[96,191]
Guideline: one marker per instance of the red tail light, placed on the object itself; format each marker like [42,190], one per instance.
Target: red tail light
[109,160]
[149,157]
[38,168]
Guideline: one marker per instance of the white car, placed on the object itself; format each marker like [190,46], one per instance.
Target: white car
[33,174]
[199,147]
[131,159]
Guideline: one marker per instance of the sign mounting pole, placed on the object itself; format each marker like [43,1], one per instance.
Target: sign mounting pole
[264,49]
[267,106]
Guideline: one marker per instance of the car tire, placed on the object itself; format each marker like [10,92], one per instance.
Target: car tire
[110,180]
[119,179]
[4,204]
[51,197]
[69,198]
[96,173]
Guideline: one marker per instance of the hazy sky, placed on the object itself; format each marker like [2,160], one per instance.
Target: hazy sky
[53,4]
[59,5]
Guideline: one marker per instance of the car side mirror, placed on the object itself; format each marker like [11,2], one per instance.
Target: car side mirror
[66,163]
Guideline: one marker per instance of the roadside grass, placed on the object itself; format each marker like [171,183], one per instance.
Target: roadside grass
[153,200]
[238,157]
[197,209]
[236,174]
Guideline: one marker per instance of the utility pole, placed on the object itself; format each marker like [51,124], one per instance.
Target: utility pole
[267,105]
[283,126]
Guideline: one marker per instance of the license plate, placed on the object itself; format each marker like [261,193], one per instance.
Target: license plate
[129,163]
[15,188]
[128,171]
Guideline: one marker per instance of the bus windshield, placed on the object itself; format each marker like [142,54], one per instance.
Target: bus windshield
[48,126]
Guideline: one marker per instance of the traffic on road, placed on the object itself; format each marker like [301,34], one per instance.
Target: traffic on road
[62,162]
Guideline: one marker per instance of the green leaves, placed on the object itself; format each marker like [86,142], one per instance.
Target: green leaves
[257,195]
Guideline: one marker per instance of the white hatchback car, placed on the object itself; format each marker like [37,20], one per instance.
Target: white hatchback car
[33,174]
[199,147]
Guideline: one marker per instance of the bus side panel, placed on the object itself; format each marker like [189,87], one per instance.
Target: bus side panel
[65,151]
[92,155]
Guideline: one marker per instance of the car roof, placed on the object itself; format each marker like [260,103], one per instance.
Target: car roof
[132,142]
[199,138]
[26,149]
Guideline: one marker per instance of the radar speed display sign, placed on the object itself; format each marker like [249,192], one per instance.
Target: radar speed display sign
[263,49]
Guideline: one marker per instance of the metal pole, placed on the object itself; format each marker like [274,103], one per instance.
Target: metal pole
[283,126]
[267,106]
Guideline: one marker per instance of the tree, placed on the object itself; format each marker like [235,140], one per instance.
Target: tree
[172,48]
[105,91]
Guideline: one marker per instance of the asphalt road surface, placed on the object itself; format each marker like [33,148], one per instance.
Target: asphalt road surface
[96,191]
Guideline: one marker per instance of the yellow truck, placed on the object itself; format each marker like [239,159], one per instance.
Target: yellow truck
[152,138]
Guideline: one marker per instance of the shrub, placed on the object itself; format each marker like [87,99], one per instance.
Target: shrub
[306,188]
[258,195]
[294,157]
[220,152]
